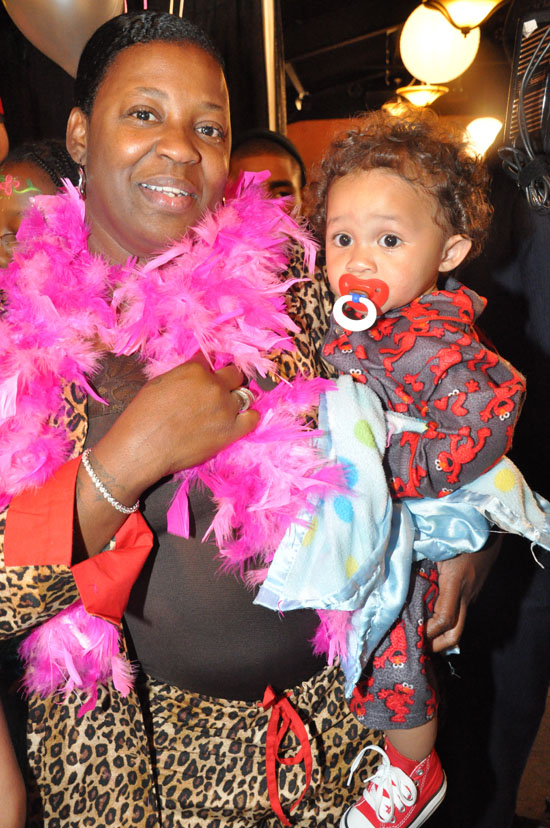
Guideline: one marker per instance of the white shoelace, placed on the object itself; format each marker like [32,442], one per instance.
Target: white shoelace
[389,788]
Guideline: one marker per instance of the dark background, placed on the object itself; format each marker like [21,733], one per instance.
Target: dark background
[345,54]
[37,94]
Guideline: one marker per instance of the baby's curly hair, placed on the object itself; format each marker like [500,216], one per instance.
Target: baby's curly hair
[423,151]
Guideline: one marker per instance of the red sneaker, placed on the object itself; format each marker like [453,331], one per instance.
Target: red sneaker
[402,792]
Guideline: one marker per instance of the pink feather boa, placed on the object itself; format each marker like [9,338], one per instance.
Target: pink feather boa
[218,292]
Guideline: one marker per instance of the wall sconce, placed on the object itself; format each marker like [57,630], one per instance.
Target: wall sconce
[482,133]
[432,49]
[421,94]
[465,15]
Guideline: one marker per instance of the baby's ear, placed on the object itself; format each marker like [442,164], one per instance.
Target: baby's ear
[454,252]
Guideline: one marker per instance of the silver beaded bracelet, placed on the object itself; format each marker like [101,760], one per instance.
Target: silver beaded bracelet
[120,507]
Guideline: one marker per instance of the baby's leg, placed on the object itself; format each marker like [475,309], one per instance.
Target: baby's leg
[415,743]
[398,696]
[398,693]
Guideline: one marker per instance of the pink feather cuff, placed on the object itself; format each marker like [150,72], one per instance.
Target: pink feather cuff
[75,651]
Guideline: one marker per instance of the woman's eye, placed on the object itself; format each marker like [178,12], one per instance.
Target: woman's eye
[342,240]
[211,131]
[143,115]
[390,241]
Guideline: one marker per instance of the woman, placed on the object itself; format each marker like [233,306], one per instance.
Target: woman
[190,745]
[151,131]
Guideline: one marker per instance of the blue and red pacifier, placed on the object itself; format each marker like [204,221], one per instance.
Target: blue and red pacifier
[365,297]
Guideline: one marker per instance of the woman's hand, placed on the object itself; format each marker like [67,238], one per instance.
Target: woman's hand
[460,581]
[176,421]
[180,419]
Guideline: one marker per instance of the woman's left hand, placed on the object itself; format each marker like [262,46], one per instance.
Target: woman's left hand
[460,581]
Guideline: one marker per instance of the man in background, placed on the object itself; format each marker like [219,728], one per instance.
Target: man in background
[262,149]
[4,140]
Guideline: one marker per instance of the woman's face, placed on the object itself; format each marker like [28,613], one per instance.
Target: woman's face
[155,147]
[19,182]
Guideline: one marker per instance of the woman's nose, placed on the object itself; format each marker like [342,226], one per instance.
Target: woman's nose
[179,144]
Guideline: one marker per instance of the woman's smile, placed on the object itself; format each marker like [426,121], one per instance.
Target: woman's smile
[175,197]
[155,149]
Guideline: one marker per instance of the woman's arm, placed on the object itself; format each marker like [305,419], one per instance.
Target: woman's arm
[12,789]
[176,421]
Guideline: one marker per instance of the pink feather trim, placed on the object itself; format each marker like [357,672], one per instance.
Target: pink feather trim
[217,291]
[75,651]
[331,635]
[258,496]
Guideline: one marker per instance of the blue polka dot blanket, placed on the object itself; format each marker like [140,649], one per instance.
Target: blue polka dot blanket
[355,553]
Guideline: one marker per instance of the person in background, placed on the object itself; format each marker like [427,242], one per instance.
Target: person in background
[4,140]
[497,691]
[29,170]
[262,149]
[12,788]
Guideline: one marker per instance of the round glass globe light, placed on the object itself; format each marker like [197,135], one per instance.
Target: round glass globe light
[432,50]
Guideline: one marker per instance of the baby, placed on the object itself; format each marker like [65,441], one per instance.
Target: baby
[401,203]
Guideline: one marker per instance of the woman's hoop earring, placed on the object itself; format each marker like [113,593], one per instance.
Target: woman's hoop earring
[361,324]
[82,181]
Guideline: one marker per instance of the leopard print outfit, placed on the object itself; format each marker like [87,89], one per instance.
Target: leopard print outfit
[210,758]
[104,770]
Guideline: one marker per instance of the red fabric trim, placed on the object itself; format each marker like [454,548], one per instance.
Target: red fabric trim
[282,719]
[104,581]
[39,524]
[39,532]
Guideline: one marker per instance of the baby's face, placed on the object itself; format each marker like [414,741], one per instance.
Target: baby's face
[382,239]
[19,182]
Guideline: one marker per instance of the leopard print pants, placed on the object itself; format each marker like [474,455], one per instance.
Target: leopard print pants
[211,766]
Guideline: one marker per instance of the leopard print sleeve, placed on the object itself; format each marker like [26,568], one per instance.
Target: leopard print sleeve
[309,303]
[29,595]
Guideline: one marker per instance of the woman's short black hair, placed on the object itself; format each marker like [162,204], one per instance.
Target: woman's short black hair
[127,30]
[50,155]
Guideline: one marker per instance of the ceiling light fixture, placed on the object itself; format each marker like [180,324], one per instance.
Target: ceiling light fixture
[465,15]
[482,133]
[421,94]
[432,50]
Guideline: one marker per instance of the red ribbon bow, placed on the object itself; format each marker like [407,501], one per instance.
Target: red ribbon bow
[283,718]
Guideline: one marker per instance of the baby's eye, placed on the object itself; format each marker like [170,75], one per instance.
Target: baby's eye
[342,240]
[390,241]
